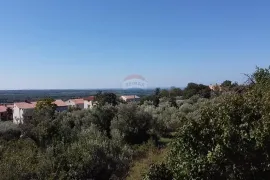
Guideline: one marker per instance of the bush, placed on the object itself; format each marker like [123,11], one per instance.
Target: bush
[94,156]
[7,125]
[230,139]
[10,134]
[20,160]
[187,108]
[159,172]
[9,131]
[132,124]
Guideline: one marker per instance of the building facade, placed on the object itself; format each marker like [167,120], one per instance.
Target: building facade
[78,103]
[89,102]
[130,98]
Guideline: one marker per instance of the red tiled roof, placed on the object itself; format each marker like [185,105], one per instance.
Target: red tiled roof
[10,106]
[90,98]
[32,105]
[3,109]
[78,101]
[59,102]
[26,105]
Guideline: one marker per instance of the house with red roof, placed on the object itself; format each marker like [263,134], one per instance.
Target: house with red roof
[60,105]
[21,110]
[26,109]
[78,103]
[130,98]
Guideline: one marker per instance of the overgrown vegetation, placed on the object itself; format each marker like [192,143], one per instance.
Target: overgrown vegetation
[195,133]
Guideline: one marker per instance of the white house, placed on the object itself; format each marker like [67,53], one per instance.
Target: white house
[22,109]
[131,98]
[79,103]
[89,102]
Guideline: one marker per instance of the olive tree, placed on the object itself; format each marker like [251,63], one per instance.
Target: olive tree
[230,139]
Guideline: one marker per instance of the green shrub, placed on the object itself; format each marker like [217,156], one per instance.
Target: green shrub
[158,172]
[230,139]
[132,124]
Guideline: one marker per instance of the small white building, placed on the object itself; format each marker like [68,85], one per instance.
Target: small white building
[22,109]
[78,103]
[130,98]
[89,102]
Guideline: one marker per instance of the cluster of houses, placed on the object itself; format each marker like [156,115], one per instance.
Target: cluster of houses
[25,109]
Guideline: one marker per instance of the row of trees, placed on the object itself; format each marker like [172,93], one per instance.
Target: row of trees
[192,89]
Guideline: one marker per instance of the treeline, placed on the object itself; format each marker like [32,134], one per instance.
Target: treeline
[216,135]
[11,96]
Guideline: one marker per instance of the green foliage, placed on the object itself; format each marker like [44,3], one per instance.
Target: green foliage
[10,134]
[229,140]
[9,131]
[132,124]
[156,101]
[226,137]
[45,103]
[9,113]
[159,172]
[147,99]
[164,93]
[226,83]
[94,156]
[173,92]
[7,125]
[157,92]
[261,75]
[20,160]
[196,89]
[102,117]
[173,102]
[103,98]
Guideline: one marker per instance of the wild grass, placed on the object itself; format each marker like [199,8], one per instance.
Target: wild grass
[151,155]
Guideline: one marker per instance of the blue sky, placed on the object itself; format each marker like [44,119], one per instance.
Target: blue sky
[49,44]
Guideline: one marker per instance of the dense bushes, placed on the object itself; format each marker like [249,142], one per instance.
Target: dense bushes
[229,140]
[132,124]
[159,172]
[94,156]
[9,131]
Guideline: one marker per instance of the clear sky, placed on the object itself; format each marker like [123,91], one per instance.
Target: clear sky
[52,44]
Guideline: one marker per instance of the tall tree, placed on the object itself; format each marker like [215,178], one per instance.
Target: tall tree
[46,103]
[9,113]
[226,83]
[196,89]
[109,98]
